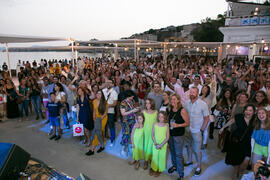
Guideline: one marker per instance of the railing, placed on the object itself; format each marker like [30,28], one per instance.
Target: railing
[248,21]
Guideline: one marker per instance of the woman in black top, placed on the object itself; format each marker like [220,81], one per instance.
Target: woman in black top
[178,118]
[166,101]
[12,106]
[239,149]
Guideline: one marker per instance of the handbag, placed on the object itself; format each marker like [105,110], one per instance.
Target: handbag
[216,112]
[78,130]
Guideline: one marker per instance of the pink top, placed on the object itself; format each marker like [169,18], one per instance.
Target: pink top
[183,95]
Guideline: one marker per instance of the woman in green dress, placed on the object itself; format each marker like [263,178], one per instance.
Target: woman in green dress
[150,115]
[160,136]
[137,141]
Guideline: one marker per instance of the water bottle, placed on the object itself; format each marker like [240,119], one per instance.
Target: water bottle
[171,123]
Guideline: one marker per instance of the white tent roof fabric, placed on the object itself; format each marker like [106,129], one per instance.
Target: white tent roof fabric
[5,38]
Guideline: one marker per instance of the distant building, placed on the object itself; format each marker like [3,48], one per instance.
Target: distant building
[246,22]
[186,32]
[148,37]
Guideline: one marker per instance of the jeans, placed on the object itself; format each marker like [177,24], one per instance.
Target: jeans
[66,120]
[47,112]
[196,145]
[176,145]
[110,123]
[37,104]
[24,106]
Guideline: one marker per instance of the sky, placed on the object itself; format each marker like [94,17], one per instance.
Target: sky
[100,19]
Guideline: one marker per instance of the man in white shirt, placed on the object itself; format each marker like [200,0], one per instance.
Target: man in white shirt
[111,96]
[199,116]
[19,65]
[196,83]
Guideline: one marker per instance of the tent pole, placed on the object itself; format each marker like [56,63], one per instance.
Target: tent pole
[9,67]
[135,53]
[76,56]
[72,48]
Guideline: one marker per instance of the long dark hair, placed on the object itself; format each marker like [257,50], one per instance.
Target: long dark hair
[208,91]
[102,103]
[264,101]
[252,121]
[61,89]
[223,98]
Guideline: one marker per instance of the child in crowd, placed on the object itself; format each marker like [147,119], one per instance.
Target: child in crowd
[160,136]
[137,136]
[65,110]
[3,101]
[260,140]
[54,108]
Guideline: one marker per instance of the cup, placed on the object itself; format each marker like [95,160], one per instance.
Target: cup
[171,123]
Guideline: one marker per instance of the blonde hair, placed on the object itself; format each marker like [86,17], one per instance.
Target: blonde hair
[179,105]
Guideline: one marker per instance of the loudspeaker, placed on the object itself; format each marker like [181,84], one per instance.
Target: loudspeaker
[82,177]
[13,160]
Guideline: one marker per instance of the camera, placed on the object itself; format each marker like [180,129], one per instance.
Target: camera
[264,171]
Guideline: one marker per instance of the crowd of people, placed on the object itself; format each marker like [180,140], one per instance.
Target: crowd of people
[160,104]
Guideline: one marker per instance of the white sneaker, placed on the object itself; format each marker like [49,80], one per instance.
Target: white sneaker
[110,144]
[123,153]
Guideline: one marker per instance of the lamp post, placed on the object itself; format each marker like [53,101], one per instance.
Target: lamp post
[9,68]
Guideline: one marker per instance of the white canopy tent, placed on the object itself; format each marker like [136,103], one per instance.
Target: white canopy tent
[5,39]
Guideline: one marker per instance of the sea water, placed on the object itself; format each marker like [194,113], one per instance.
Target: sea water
[37,56]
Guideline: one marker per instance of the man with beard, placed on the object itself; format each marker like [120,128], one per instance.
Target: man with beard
[199,115]
[111,97]
[156,95]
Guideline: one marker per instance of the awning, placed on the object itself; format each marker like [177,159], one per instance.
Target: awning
[7,38]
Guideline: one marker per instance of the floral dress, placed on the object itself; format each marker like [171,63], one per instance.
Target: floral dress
[128,122]
[223,117]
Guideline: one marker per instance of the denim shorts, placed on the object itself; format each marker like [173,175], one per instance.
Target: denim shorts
[54,121]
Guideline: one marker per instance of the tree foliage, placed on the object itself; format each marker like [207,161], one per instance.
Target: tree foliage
[208,30]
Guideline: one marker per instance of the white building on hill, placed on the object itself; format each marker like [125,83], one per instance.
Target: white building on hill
[247,22]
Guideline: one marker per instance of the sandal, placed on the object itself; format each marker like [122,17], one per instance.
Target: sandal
[145,165]
[157,174]
[151,172]
[137,166]
[132,162]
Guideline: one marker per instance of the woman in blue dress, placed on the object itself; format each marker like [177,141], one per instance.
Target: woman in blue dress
[84,115]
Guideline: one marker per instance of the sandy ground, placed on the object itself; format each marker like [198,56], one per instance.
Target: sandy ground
[67,155]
